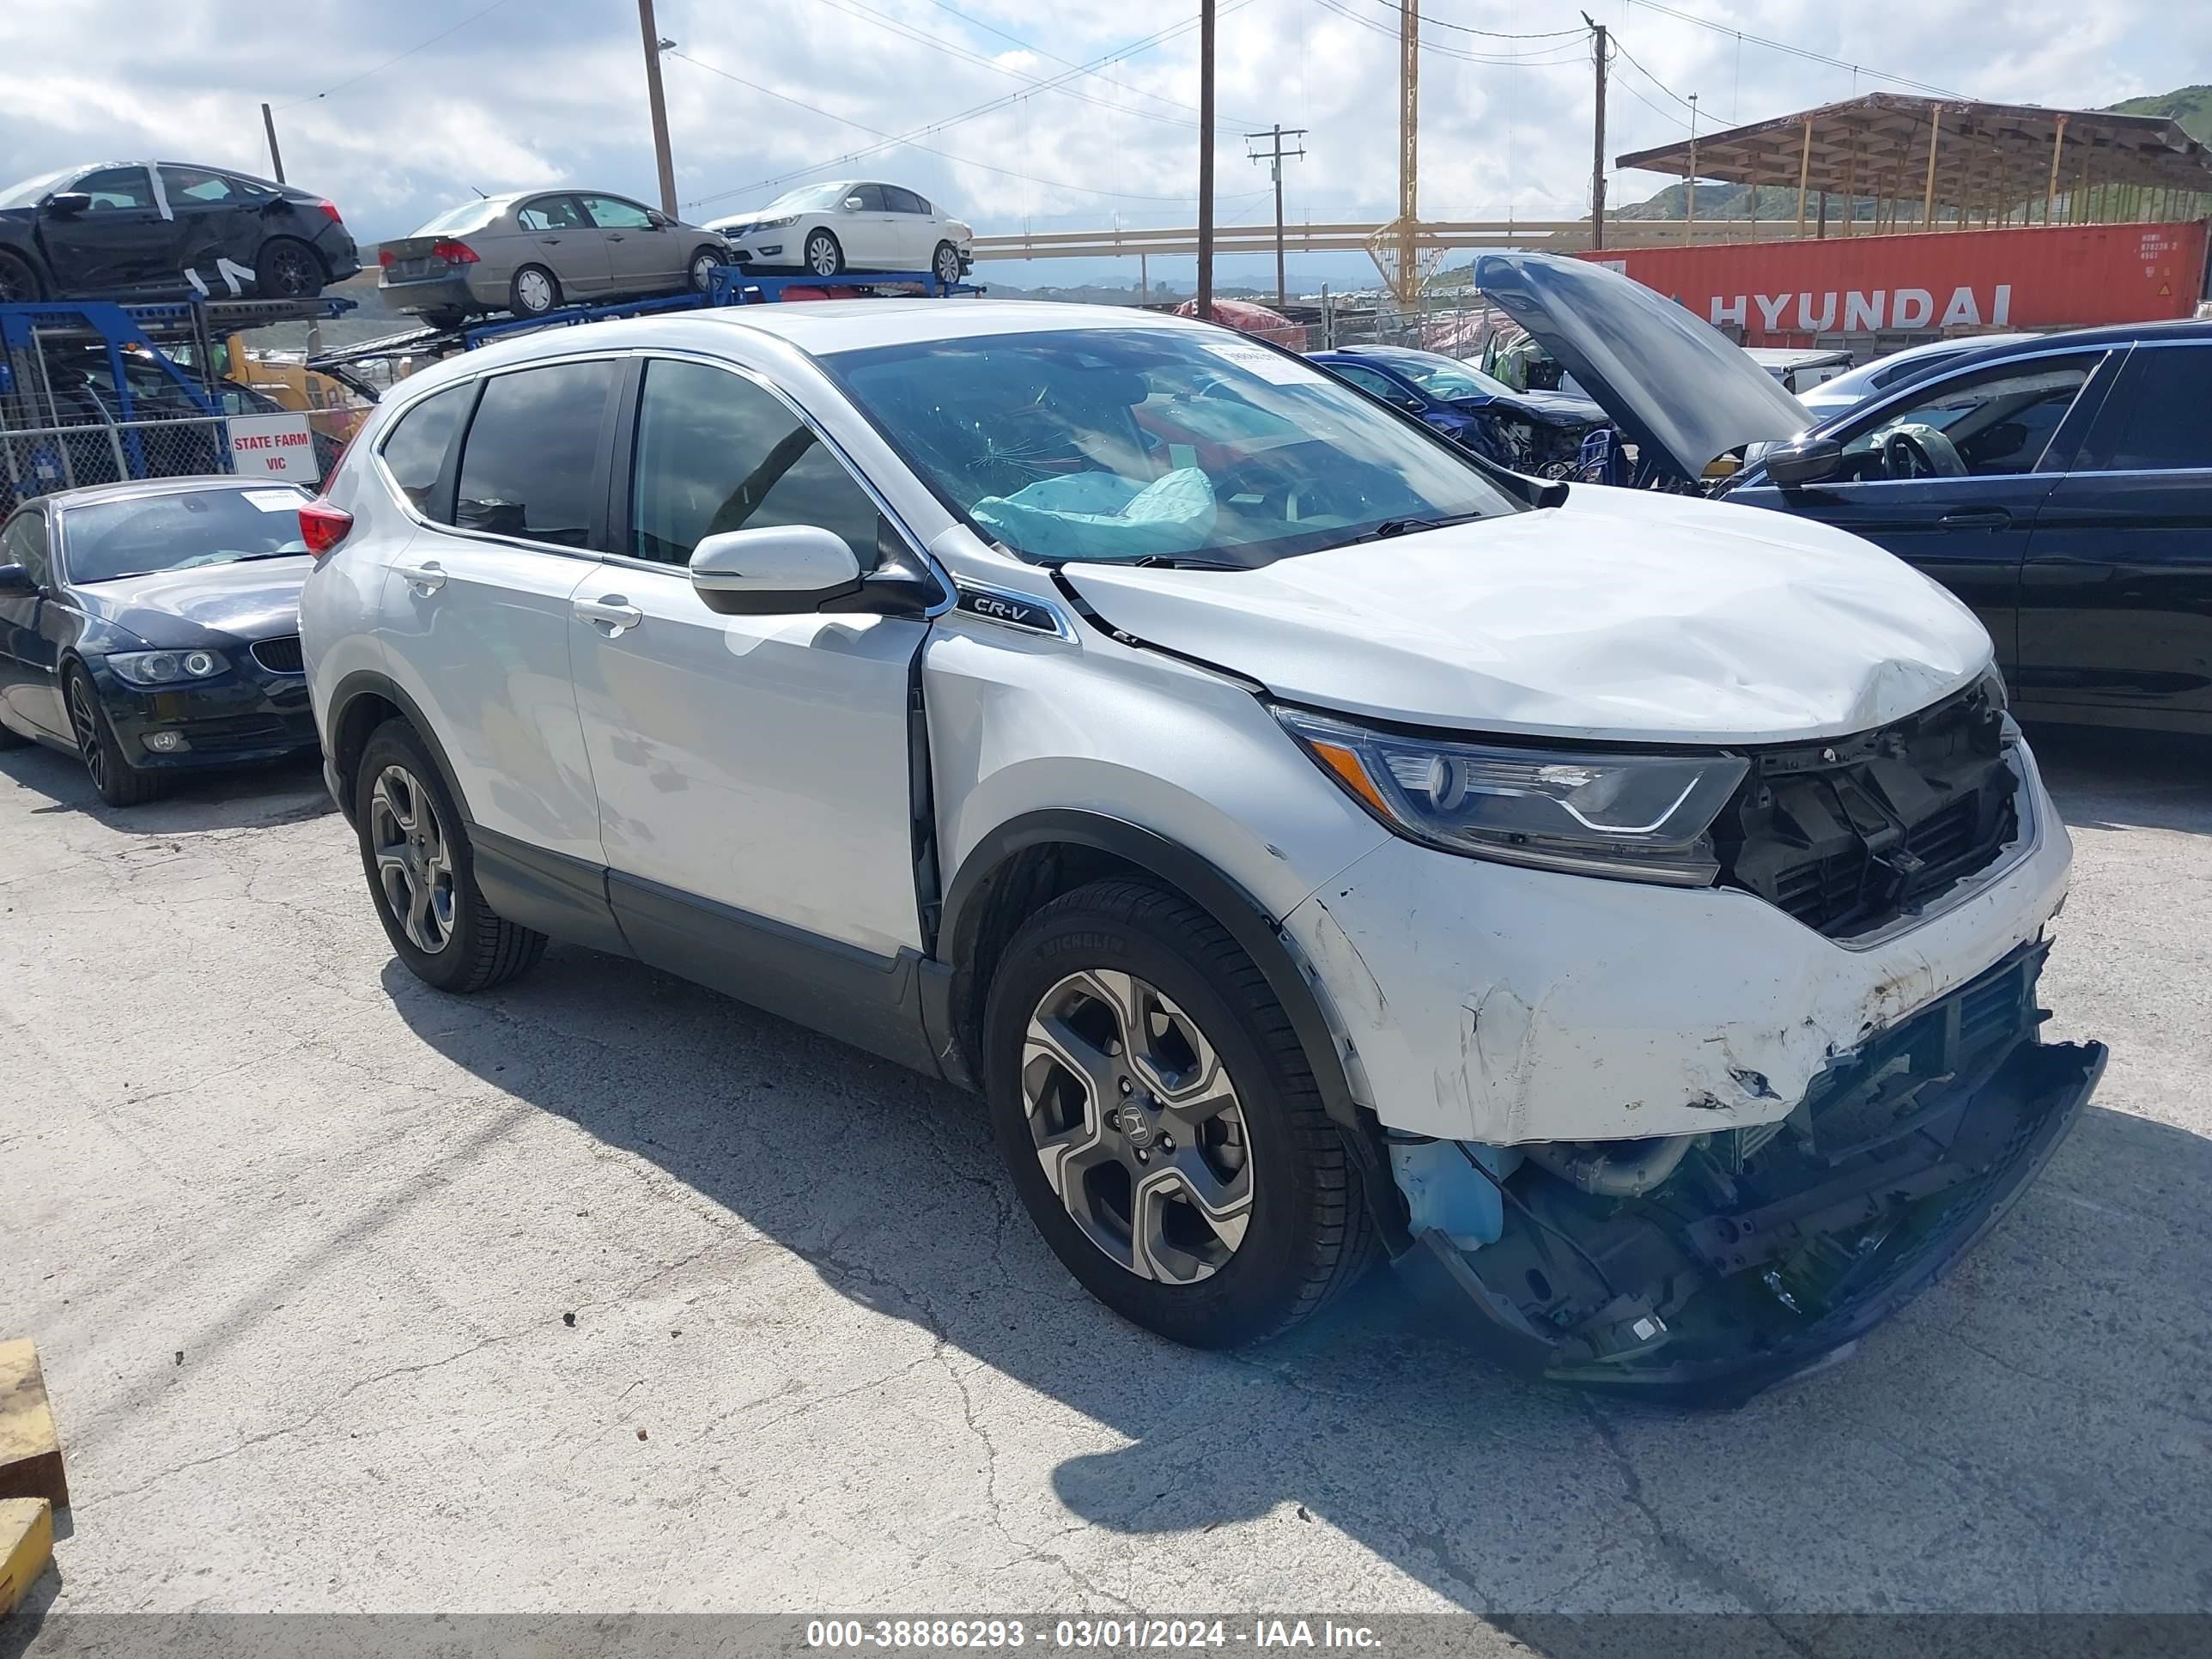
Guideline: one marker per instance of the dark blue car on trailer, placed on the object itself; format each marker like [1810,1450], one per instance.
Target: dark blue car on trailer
[2060,485]
[1537,433]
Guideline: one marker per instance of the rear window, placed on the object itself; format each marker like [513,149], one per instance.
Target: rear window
[469,216]
[532,452]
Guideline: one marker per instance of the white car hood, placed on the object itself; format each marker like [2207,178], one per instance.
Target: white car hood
[1620,615]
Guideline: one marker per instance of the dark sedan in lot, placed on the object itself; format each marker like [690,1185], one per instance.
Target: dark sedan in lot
[1539,433]
[2060,484]
[154,628]
[154,230]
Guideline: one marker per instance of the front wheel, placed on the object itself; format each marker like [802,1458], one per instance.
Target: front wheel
[1161,1121]
[704,264]
[19,281]
[119,783]
[421,872]
[826,256]
[945,264]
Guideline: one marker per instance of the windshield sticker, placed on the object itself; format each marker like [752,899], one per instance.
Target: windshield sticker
[274,501]
[1270,366]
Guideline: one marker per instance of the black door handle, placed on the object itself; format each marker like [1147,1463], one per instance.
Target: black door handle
[1976,518]
[551,241]
[614,236]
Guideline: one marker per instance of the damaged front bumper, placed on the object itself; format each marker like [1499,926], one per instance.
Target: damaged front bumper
[1769,1250]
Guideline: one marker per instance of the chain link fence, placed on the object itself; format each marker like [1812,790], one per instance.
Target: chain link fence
[39,460]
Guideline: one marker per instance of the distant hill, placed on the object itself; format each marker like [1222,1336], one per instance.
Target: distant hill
[2190,105]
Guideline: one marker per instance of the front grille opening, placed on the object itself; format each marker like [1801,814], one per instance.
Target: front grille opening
[281,656]
[1848,835]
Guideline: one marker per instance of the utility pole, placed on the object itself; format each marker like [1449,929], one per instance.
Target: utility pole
[1206,161]
[1690,200]
[1598,50]
[1409,151]
[654,46]
[1276,155]
[276,156]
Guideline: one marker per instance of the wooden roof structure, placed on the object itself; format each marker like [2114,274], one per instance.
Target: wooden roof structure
[1968,157]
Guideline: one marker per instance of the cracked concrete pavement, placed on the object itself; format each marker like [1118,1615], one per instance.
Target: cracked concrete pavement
[603,1292]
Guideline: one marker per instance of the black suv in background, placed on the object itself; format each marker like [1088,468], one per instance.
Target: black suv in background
[149,230]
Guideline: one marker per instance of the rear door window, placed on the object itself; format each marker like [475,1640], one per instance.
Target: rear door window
[530,463]
[2166,419]
[198,187]
[415,451]
[612,213]
[903,201]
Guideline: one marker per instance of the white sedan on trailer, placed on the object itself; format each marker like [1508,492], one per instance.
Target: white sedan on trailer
[826,230]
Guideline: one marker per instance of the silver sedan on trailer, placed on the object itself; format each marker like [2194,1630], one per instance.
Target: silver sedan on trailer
[531,252]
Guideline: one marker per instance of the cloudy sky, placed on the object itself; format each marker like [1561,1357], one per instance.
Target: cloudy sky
[396,108]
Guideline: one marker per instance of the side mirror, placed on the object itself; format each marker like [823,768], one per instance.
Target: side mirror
[13,579]
[1806,460]
[784,571]
[68,202]
[852,205]
[659,220]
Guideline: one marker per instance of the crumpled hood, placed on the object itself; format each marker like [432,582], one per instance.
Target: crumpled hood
[1682,391]
[209,604]
[1622,615]
[1558,408]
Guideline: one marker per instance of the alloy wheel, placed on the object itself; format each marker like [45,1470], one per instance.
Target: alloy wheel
[1138,1125]
[822,256]
[948,266]
[16,287]
[535,291]
[288,274]
[84,722]
[414,862]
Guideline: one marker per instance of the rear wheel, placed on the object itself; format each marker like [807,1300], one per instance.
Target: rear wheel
[534,291]
[287,270]
[945,264]
[1161,1122]
[421,873]
[448,319]
[119,783]
[825,255]
[18,283]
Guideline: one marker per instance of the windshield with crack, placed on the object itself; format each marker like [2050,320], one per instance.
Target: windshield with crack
[1152,442]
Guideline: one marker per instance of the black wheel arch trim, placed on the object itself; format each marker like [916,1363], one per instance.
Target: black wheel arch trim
[366,682]
[1256,932]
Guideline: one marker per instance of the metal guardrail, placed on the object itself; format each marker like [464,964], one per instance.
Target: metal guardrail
[1538,235]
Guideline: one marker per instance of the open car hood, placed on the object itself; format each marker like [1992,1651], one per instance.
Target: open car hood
[1629,615]
[1682,391]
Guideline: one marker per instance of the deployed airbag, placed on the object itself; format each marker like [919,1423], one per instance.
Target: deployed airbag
[1101,515]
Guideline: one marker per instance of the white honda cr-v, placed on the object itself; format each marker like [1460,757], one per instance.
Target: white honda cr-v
[1623,911]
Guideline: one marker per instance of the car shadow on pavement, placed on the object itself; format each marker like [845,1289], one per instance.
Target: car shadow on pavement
[2032,1432]
[248,798]
[2111,779]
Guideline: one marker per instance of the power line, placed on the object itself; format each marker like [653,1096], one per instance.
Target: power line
[389,62]
[1623,51]
[1795,52]
[1159,37]
[906,31]
[1543,58]
[1493,34]
[1015,39]
[892,139]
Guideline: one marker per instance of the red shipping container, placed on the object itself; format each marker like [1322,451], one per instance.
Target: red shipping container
[1944,282]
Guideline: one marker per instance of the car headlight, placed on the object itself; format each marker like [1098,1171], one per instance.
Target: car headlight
[1637,817]
[165,667]
[777,224]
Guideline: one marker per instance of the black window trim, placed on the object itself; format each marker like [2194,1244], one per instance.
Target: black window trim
[621,474]
[442,494]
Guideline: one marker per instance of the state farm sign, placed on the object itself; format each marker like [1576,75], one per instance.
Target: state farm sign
[1930,282]
[279,445]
